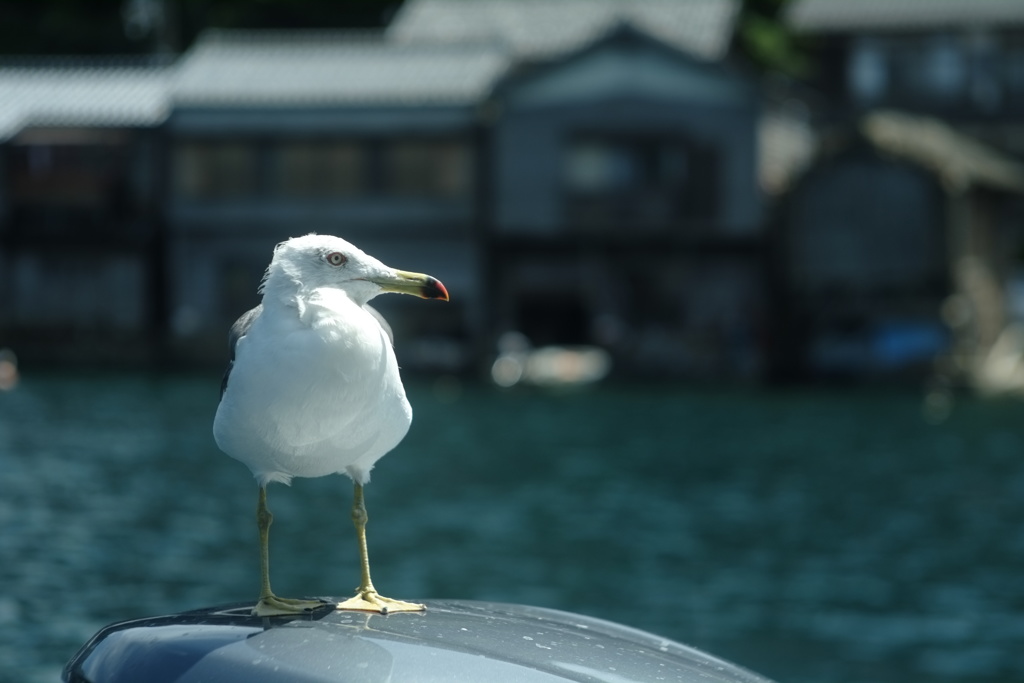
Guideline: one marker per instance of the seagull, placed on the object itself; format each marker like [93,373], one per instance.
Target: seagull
[313,388]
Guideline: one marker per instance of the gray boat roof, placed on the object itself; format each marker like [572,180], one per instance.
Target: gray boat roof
[451,641]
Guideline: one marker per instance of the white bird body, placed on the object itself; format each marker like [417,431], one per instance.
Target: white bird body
[313,387]
[314,390]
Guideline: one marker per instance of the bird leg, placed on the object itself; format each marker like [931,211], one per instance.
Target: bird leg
[366,598]
[269,604]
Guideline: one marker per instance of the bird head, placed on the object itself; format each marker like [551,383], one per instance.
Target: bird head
[302,264]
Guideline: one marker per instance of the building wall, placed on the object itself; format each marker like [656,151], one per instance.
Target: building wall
[626,211]
[867,224]
[78,242]
[866,269]
[399,184]
[622,92]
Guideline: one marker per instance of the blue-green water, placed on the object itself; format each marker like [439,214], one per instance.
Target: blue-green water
[811,536]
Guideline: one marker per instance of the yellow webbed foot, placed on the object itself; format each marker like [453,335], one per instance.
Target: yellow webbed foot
[273,606]
[371,601]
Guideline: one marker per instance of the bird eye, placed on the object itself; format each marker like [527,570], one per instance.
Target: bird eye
[336,258]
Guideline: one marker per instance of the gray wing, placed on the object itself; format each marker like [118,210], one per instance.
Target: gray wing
[236,332]
[383,323]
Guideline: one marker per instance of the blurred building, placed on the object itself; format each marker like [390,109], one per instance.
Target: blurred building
[901,248]
[892,247]
[274,134]
[959,60]
[80,170]
[582,171]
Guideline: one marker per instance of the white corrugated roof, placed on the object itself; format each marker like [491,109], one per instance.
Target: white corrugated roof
[79,92]
[328,67]
[840,16]
[546,28]
[445,52]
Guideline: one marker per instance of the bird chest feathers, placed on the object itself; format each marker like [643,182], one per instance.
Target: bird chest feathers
[330,368]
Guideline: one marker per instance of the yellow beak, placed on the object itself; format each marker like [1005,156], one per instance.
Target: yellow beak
[417,284]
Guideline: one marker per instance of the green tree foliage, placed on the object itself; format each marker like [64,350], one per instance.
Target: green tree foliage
[763,38]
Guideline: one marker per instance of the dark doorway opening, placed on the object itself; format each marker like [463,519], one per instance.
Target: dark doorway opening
[553,320]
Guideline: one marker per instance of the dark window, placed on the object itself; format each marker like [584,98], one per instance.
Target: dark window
[869,71]
[427,168]
[216,170]
[71,182]
[317,169]
[554,319]
[323,169]
[626,182]
[1014,65]
[85,175]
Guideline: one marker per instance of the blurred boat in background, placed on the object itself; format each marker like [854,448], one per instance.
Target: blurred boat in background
[547,366]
